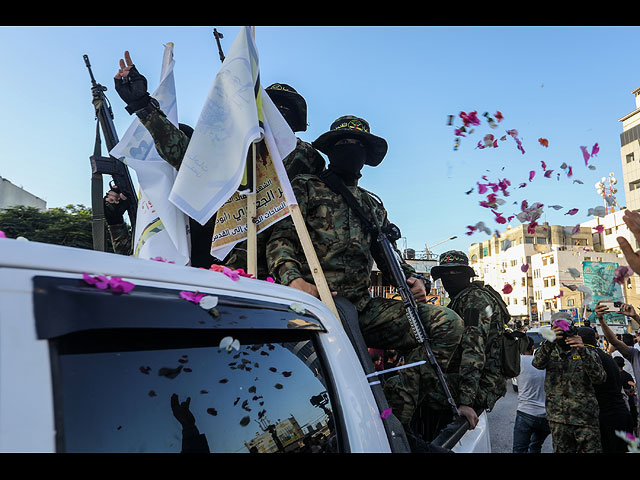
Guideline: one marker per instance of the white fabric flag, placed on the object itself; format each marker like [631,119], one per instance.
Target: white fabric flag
[272,184]
[214,163]
[156,178]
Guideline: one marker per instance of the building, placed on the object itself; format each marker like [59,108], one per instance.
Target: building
[508,259]
[11,195]
[630,154]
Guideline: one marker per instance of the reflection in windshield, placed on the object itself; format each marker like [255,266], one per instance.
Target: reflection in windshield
[261,398]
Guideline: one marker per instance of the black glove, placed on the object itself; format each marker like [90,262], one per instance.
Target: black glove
[133,90]
[113,212]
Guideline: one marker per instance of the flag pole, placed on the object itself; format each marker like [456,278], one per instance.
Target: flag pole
[252,240]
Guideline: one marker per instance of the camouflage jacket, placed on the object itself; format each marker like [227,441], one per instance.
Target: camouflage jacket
[171,144]
[342,242]
[475,366]
[568,385]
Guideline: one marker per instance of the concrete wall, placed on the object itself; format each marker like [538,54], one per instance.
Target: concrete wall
[12,195]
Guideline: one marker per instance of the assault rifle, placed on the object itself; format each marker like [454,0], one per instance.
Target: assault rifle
[388,255]
[106,165]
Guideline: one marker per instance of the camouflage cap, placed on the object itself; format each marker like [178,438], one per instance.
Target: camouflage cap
[282,91]
[452,259]
[349,126]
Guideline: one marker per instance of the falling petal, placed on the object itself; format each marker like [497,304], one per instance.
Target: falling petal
[278,386]
[621,274]
[2,234]
[385,413]
[170,373]
[548,173]
[298,308]
[525,267]
[556,207]
[548,334]
[191,296]
[585,155]
[532,174]
[575,273]
[208,302]
[507,288]
[573,211]
[544,142]
[595,149]
[598,228]
[245,421]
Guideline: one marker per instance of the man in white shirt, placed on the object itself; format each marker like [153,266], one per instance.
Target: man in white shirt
[531,428]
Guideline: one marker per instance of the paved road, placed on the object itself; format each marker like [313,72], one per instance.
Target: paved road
[501,420]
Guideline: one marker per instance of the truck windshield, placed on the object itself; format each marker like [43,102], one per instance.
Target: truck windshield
[179,391]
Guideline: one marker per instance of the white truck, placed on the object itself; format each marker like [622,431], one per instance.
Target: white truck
[257,367]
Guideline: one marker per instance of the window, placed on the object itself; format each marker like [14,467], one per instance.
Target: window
[528,239]
[571,302]
[546,282]
[523,282]
[544,260]
[607,231]
[114,386]
[541,240]
[634,185]
[629,157]
[524,300]
[268,395]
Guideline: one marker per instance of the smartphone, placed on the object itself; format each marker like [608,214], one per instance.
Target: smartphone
[612,306]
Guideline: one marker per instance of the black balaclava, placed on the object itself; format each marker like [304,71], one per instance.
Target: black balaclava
[346,160]
[289,112]
[455,283]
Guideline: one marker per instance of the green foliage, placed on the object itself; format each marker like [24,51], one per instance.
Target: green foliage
[69,226]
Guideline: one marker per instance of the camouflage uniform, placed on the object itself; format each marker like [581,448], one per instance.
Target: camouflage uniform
[303,160]
[171,144]
[571,404]
[475,369]
[344,246]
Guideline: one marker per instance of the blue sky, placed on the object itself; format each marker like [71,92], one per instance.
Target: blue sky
[570,85]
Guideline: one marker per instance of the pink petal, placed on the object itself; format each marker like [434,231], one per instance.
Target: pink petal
[573,211]
[585,154]
[89,279]
[548,173]
[507,288]
[482,188]
[599,228]
[532,174]
[595,149]
[525,267]
[386,413]
[270,280]
[2,234]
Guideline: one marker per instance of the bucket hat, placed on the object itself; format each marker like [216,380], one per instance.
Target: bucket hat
[452,259]
[282,91]
[349,126]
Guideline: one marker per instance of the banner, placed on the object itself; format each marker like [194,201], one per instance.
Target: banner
[273,189]
[598,277]
[162,230]
[214,163]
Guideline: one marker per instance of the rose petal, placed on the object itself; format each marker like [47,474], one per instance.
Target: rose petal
[385,413]
[208,302]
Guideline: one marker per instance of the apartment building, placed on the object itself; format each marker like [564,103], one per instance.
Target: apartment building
[499,261]
[630,154]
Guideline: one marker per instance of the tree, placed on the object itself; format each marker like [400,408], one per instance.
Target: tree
[69,226]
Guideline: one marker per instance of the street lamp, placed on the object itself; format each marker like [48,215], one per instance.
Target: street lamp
[428,249]
[607,191]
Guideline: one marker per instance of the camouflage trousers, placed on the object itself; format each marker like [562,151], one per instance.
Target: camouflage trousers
[384,325]
[575,438]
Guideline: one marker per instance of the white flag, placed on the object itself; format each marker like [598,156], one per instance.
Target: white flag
[214,163]
[274,192]
[156,213]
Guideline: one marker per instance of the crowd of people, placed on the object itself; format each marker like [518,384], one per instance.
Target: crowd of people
[576,390]
[464,336]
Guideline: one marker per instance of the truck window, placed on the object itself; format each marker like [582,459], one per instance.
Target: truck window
[118,361]
[115,388]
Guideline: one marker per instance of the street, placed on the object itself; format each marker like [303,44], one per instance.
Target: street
[501,420]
